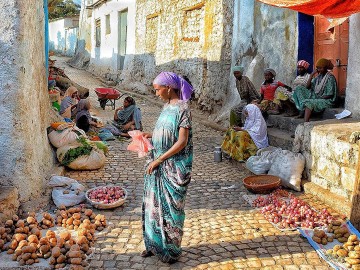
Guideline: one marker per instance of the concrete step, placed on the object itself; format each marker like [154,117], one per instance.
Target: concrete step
[284,123]
[280,138]
[290,123]
[328,198]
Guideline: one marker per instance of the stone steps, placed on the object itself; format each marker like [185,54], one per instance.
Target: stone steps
[280,138]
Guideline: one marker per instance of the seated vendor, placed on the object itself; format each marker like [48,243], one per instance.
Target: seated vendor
[128,117]
[284,97]
[69,103]
[267,92]
[247,92]
[240,143]
[320,91]
[83,117]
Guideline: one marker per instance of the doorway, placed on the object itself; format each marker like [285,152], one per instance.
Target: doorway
[333,44]
[122,38]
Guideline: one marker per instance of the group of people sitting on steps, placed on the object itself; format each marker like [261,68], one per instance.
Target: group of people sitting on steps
[309,93]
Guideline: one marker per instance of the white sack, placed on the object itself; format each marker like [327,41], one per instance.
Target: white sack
[289,167]
[59,138]
[94,161]
[74,191]
[261,163]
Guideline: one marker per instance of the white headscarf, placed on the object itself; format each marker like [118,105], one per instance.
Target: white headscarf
[256,126]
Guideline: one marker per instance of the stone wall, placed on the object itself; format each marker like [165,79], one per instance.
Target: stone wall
[25,154]
[188,37]
[352,98]
[263,36]
[331,156]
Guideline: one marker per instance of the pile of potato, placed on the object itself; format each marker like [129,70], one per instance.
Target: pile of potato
[321,237]
[349,252]
[73,217]
[22,238]
[47,221]
[340,233]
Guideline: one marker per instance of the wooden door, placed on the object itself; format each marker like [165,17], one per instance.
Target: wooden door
[333,44]
[122,34]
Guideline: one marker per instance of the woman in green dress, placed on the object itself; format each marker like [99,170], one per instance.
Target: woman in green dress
[319,93]
[169,172]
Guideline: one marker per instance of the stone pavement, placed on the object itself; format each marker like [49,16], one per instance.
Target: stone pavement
[221,230]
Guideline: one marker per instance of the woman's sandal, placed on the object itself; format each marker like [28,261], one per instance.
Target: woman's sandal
[146,253]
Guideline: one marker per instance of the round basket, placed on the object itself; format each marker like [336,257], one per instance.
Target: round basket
[100,205]
[262,183]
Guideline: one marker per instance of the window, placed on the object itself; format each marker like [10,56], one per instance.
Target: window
[107,24]
[97,33]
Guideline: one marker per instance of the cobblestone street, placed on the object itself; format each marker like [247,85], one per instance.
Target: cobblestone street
[221,230]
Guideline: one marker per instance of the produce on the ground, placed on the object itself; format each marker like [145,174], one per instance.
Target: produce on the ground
[22,238]
[348,253]
[321,237]
[106,195]
[291,212]
[341,233]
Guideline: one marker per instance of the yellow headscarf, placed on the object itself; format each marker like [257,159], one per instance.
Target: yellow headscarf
[324,63]
[70,91]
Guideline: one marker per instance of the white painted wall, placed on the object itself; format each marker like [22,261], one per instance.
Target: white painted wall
[263,37]
[63,35]
[104,59]
[352,99]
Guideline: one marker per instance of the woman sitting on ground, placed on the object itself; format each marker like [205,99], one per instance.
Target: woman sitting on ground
[69,103]
[83,117]
[240,143]
[267,91]
[319,93]
[128,117]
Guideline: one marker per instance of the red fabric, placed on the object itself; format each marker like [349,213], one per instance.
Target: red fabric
[268,90]
[327,8]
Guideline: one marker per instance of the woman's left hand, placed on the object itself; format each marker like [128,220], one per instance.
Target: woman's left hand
[153,165]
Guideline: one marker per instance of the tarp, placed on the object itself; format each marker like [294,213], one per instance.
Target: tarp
[327,8]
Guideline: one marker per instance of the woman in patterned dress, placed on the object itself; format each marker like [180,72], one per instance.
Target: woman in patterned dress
[240,143]
[169,173]
[320,91]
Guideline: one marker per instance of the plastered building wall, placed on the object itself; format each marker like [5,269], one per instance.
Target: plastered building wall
[63,35]
[25,154]
[104,59]
[352,99]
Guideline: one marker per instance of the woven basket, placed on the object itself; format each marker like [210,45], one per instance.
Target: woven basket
[262,183]
[99,205]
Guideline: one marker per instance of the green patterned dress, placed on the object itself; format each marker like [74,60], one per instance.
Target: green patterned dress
[307,98]
[165,189]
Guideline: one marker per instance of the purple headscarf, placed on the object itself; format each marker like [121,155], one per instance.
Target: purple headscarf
[176,82]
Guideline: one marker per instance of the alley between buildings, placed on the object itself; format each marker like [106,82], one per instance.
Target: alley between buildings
[221,230]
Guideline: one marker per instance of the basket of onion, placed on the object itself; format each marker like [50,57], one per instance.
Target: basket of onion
[106,197]
[262,183]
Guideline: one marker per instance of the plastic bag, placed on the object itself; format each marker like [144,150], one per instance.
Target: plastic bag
[289,167]
[261,163]
[66,191]
[64,137]
[258,165]
[106,135]
[139,143]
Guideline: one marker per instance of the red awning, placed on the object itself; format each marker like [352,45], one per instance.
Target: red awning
[327,8]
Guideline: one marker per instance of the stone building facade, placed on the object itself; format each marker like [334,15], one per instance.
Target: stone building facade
[191,38]
[25,155]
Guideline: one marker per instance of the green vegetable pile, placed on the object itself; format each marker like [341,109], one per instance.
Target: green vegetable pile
[74,153]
